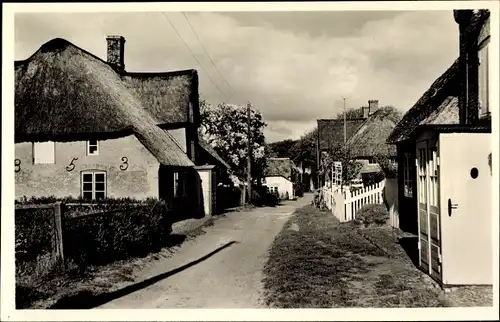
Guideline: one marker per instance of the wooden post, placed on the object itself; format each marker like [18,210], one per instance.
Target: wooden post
[58,225]
[249,157]
[345,126]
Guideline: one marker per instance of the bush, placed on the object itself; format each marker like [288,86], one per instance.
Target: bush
[372,178]
[319,200]
[117,234]
[33,233]
[372,215]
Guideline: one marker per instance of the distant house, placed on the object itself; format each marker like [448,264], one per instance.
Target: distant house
[331,133]
[444,145]
[279,177]
[369,141]
[87,128]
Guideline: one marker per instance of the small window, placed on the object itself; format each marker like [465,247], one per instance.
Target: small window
[483,77]
[180,184]
[92,147]
[407,174]
[94,185]
[44,152]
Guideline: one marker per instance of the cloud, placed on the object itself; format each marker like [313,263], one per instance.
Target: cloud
[295,67]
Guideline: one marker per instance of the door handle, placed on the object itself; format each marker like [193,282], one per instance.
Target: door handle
[451,206]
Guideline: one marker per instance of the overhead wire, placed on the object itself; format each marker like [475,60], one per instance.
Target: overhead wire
[193,55]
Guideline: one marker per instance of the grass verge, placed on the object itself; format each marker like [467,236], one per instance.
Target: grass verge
[95,280]
[315,262]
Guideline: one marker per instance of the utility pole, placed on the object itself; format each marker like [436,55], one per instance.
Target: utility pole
[249,157]
[345,126]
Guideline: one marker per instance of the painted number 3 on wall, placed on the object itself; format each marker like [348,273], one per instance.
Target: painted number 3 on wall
[124,164]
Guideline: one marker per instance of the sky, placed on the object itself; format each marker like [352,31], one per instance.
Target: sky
[295,67]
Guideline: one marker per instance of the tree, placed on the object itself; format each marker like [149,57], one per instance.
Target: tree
[304,150]
[224,127]
[282,149]
[392,113]
[350,167]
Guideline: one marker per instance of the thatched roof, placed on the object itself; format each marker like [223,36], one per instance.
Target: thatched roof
[166,96]
[438,104]
[331,131]
[369,139]
[279,167]
[206,146]
[63,93]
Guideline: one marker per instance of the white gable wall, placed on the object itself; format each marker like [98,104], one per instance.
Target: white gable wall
[284,186]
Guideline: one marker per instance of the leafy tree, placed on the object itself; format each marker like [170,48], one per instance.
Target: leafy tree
[304,151]
[224,127]
[282,149]
[353,113]
[350,167]
[388,165]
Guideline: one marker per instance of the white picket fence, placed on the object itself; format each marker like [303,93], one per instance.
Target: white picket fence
[344,204]
[354,200]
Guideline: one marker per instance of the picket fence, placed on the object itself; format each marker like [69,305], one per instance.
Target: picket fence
[344,203]
[354,200]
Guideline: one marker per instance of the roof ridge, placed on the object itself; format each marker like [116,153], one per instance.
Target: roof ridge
[61,43]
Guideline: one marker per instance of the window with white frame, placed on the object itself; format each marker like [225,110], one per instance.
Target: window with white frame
[94,185]
[407,172]
[483,78]
[92,147]
[44,152]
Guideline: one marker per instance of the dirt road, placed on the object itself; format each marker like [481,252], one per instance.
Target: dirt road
[220,269]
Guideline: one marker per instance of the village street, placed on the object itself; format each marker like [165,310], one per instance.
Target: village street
[229,278]
[143,180]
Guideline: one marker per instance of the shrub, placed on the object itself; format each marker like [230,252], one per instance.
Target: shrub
[372,178]
[388,166]
[33,233]
[319,199]
[117,234]
[372,215]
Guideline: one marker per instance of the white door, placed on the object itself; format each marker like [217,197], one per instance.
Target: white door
[428,208]
[466,184]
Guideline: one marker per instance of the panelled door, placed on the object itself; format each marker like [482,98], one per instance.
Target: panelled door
[428,208]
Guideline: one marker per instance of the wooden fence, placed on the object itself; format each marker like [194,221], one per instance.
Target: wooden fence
[354,200]
[345,203]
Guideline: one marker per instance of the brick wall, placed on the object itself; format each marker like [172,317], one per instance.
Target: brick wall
[139,179]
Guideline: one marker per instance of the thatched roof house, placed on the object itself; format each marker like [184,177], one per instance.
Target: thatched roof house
[331,131]
[370,138]
[438,105]
[280,167]
[64,93]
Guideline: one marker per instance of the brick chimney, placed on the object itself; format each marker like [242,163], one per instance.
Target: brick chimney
[366,111]
[372,106]
[116,47]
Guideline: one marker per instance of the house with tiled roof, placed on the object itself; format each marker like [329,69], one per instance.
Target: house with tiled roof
[444,147]
[86,127]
